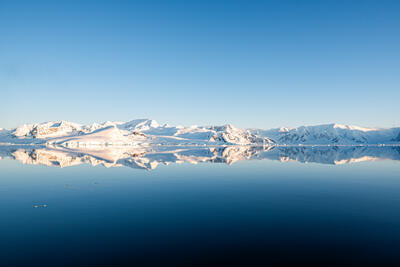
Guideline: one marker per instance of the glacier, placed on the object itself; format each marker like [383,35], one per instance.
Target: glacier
[147,132]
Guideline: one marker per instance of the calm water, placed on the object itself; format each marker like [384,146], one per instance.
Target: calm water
[253,212]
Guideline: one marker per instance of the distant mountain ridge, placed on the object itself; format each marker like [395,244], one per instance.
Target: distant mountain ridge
[146,132]
[135,132]
[331,134]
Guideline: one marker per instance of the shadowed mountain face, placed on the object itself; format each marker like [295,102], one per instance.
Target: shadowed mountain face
[150,157]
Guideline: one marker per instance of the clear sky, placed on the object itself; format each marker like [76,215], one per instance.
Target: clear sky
[251,63]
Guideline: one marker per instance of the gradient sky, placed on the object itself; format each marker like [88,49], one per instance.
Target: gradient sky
[251,63]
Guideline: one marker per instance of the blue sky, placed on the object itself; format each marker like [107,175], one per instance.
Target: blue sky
[251,63]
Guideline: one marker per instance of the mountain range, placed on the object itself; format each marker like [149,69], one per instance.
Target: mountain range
[146,132]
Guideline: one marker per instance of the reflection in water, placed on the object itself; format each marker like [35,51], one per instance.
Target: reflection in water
[150,157]
[256,213]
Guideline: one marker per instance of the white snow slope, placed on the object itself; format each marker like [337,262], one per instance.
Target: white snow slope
[136,132]
[332,134]
[145,132]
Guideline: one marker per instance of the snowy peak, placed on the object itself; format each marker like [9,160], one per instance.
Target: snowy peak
[109,135]
[146,132]
[140,132]
[47,129]
[353,128]
[232,135]
[139,125]
[331,134]
[229,128]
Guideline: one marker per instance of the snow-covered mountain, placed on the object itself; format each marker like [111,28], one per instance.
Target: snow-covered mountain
[331,134]
[145,132]
[137,132]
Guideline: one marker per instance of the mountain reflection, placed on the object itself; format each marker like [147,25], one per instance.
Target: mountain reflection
[150,157]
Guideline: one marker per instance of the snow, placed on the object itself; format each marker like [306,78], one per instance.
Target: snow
[48,129]
[352,127]
[334,134]
[109,135]
[147,132]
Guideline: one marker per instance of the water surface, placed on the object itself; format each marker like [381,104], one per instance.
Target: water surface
[340,209]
